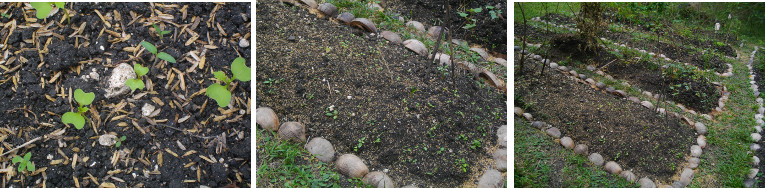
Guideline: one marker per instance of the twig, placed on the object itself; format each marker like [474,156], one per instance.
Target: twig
[21,146]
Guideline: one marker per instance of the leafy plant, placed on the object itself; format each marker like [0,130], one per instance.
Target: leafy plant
[476,144]
[76,118]
[412,90]
[329,112]
[221,93]
[44,8]
[160,32]
[462,164]
[161,55]
[360,143]
[493,12]
[24,163]
[137,82]
[119,141]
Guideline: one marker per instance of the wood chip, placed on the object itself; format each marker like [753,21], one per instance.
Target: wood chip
[108,25]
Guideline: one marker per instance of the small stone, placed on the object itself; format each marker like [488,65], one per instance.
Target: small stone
[292,131]
[694,162]
[596,159]
[756,137]
[328,9]
[701,128]
[538,124]
[491,179]
[590,81]
[620,93]
[755,160]
[345,17]
[677,184]
[517,48]
[573,73]
[351,165]
[147,109]
[554,132]
[379,180]
[567,142]
[581,149]
[481,52]
[760,122]
[599,72]
[610,89]
[291,39]
[613,167]
[500,159]
[107,140]
[646,183]
[752,173]
[94,75]
[563,68]
[749,183]
[391,36]
[628,175]
[322,149]
[706,116]
[434,32]
[686,176]
[582,76]
[754,147]
[590,68]
[702,141]
[244,43]
[416,46]
[502,135]
[528,116]
[266,118]
[647,93]
[518,111]
[553,65]
[695,151]
[417,26]
[647,104]
[634,99]
[116,82]
[600,85]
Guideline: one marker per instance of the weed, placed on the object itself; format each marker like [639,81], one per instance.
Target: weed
[76,118]
[462,164]
[360,143]
[24,163]
[43,9]
[119,141]
[475,145]
[440,150]
[330,112]
[161,55]
[159,31]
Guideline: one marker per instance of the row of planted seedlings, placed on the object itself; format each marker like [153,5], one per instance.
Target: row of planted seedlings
[418,40]
[620,89]
[756,136]
[703,58]
[350,164]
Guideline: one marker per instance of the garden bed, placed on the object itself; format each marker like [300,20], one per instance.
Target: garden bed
[174,147]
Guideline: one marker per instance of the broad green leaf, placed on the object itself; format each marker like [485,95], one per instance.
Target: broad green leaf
[489,7]
[73,118]
[220,94]
[240,70]
[42,9]
[220,75]
[17,159]
[30,166]
[149,47]
[140,70]
[462,14]
[83,98]
[22,166]
[118,144]
[166,57]
[60,4]
[28,156]
[477,10]
[134,84]
[123,137]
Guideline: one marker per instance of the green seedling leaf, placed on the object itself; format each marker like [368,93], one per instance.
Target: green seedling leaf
[477,10]
[73,118]
[83,98]
[166,57]
[17,159]
[462,14]
[240,70]
[220,75]
[118,144]
[156,28]
[164,32]
[83,109]
[220,94]
[42,8]
[60,4]
[22,166]
[140,70]
[123,138]
[30,166]
[28,156]
[149,47]
[468,26]
[134,84]
[493,15]
[489,7]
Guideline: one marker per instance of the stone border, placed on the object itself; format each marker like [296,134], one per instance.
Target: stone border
[725,94]
[352,166]
[612,167]
[331,12]
[749,181]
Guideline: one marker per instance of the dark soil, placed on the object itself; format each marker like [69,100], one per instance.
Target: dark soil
[32,109]
[320,63]
[637,138]
[489,33]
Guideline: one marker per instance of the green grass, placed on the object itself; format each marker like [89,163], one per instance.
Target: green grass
[537,9]
[534,154]
[288,173]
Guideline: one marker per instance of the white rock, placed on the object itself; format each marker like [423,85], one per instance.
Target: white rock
[379,180]
[695,150]
[752,173]
[756,137]
[755,160]
[491,179]
[581,149]
[244,43]
[694,162]
[94,75]
[500,159]
[686,176]
[266,118]
[351,165]
[647,104]
[322,149]
[528,116]
[502,135]
[567,142]
[646,183]
[702,141]
[754,147]
[628,175]
[107,140]
[116,82]
[554,132]
[596,159]
[518,111]
[701,128]
[147,109]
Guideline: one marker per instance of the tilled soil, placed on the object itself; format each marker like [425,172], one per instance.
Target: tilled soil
[630,134]
[175,148]
[393,111]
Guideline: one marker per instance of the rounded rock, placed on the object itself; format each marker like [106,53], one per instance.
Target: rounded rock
[500,159]
[433,32]
[596,159]
[528,116]
[700,128]
[328,9]
[634,99]
[553,65]
[365,24]
[702,141]
[590,68]
[646,183]
[754,147]
[628,175]
[416,46]
[502,135]
[752,173]
[647,104]
[518,111]
[755,160]
[244,43]
[147,109]
[581,149]
[567,142]
[292,131]
[756,137]
[345,17]
[491,179]
[554,132]
[416,25]
[391,36]
[322,149]
[613,167]
[695,150]
[351,165]
[538,124]
[266,118]
[379,180]
[686,176]
[600,85]
[694,162]
[116,82]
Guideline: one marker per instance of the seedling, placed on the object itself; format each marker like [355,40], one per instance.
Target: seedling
[221,93]
[462,164]
[137,83]
[76,118]
[412,90]
[329,112]
[160,32]
[476,144]
[361,143]
[161,55]
[25,164]
[44,8]
[119,141]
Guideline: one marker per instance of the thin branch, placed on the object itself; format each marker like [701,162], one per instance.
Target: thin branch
[21,146]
